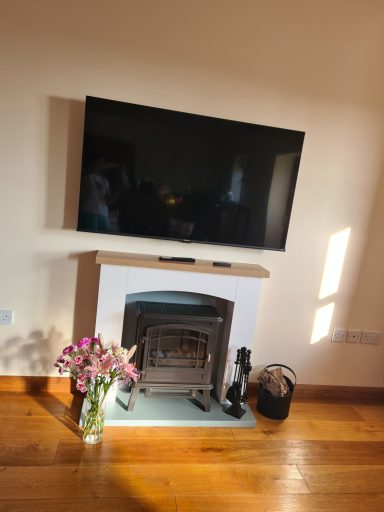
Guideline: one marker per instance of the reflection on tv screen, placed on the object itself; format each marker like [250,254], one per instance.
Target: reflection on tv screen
[159,173]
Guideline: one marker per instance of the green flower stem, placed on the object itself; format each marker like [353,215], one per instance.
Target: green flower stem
[94,416]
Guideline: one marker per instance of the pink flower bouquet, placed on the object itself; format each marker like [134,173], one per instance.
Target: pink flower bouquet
[96,368]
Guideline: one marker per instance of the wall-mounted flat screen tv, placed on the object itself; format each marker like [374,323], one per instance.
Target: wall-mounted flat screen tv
[152,172]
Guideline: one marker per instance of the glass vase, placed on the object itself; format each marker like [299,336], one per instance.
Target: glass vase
[93,421]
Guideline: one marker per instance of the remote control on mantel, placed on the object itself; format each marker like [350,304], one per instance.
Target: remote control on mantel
[177,259]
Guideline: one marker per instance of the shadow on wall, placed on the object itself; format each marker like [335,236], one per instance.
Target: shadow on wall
[35,354]
[66,121]
[87,287]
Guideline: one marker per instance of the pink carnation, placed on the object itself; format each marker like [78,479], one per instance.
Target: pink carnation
[80,383]
[81,386]
[78,360]
[83,342]
[68,350]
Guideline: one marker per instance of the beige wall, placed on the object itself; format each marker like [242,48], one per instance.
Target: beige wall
[312,65]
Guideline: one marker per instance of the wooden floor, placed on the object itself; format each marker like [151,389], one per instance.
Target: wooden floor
[325,457]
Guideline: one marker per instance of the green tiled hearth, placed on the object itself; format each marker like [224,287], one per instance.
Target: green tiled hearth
[171,412]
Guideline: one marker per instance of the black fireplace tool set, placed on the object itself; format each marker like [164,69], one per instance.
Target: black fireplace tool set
[237,392]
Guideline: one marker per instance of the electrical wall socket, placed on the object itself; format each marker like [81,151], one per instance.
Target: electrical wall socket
[372,337]
[7,316]
[353,336]
[339,335]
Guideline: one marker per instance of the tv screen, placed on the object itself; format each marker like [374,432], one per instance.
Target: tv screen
[158,173]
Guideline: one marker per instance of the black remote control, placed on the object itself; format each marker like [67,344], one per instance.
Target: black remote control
[178,259]
[221,264]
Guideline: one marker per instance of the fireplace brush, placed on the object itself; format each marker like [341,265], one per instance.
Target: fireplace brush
[237,392]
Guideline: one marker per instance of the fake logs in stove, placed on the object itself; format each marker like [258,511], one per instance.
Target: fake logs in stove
[237,393]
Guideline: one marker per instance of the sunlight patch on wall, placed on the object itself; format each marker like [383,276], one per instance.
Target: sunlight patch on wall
[334,262]
[330,282]
[322,323]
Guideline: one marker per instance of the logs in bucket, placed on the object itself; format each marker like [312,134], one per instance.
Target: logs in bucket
[269,405]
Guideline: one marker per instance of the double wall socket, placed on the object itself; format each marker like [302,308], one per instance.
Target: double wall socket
[7,316]
[339,335]
[372,337]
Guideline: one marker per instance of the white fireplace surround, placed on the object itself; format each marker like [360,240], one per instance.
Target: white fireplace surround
[124,274]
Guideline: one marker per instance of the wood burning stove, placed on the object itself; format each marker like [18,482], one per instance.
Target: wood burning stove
[175,349]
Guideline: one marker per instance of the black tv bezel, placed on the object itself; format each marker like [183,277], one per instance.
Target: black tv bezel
[185,240]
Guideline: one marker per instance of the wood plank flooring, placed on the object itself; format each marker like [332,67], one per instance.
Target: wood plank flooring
[326,456]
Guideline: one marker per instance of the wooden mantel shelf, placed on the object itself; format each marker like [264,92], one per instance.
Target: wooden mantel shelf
[204,266]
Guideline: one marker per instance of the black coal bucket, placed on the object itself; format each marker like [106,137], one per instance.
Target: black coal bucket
[276,407]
